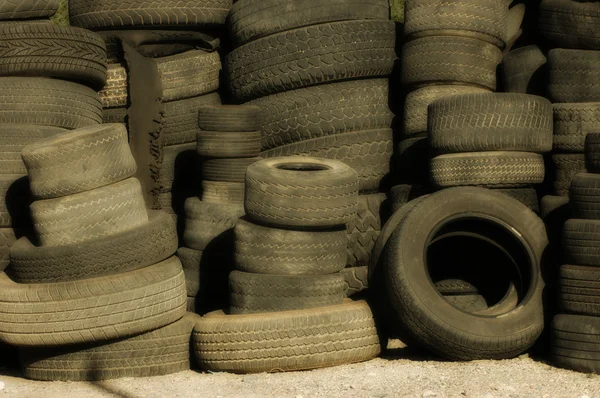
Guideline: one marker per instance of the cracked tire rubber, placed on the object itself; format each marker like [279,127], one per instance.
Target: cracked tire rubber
[579,290]
[255,293]
[271,342]
[490,122]
[576,342]
[572,123]
[90,215]
[115,93]
[111,14]
[570,24]
[264,250]
[92,310]
[253,19]
[581,242]
[488,169]
[527,196]
[180,121]
[48,50]
[566,167]
[27,9]
[592,152]
[49,102]
[363,229]
[418,306]
[226,144]
[204,221]
[584,196]
[523,71]
[78,161]
[229,118]
[450,59]
[127,251]
[368,152]
[159,352]
[227,170]
[311,55]
[301,192]
[328,109]
[7,240]
[573,75]
[357,280]
[15,137]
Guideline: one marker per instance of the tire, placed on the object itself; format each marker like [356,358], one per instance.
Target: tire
[229,193]
[566,167]
[205,222]
[263,250]
[472,303]
[400,195]
[255,293]
[7,240]
[438,326]
[115,115]
[86,216]
[227,170]
[84,311]
[329,109]
[576,342]
[115,93]
[252,19]
[180,120]
[368,152]
[488,169]
[179,164]
[490,122]
[485,20]
[579,290]
[592,152]
[190,260]
[572,123]
[570,24]
[79,161]
[363,229]
[573,75]
[47,50]
[127,251]
[581,242]
[110,14]
[26,9]
[229,118]
[189,74]
[301,192]
[523,71]
[554,204]
[412,160]
[417,102]
[14,137]
[455,287]
[585,196]
[515,17]
[356,279]
[256,343]
[311,55]
[527,196]
[48,102]
[15,199]
[450,59]
[219,144]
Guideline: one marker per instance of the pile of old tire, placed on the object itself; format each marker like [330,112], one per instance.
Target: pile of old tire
[575,339]
[319,72]
[429,256]
[287,309]
[99,293]
[492,140]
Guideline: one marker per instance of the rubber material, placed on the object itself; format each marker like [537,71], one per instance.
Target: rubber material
[180,120]
[230,118]
[570,24]
[572,123]
[204,221]
[523,71]
[363,229]
[223,192]
[585,196]
[14,137]
[579,290]
[24,9]
[357,280]
[220,144]
[566,167]
[227,170]
[573,75]
[576,342]
[581,242]
[527,196]
[592,152]
[7,240]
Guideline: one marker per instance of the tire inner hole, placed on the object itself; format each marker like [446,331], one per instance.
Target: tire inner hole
[299,166]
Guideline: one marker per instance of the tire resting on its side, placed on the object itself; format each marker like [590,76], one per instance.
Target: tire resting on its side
[584,196]
[573,75]
[581,242]
[570,24]
[206,221]
[572,123]
[236,118]
[26,9]
[566,167]
[180,120]
[592,152]
[576,342]
[579,290]
[228,144]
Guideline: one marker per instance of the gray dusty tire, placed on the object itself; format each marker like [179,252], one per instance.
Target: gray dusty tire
[584,196]
[264,250]
[592,152]
[357,280]
[527,196]
[204,221]
[190,260]
[225,145]
[15,137]
[573,75]
[572,123]
[115,93]
[78,161]
[255,293]
[581,242]
[180,120]
[92,310]
[230,118]
[363,229]
[579,290]
[7,240]
[570,24]
[576,342]
[217,192]
[566,167]
[26,9]
[331,336]
[523,71]
[301,192]
[227,170]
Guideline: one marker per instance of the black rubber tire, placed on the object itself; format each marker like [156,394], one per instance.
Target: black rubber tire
[329,109]
[553,204]
[264,250]
[566,167]
[15,199]
[229,193]
[364,228]
[301,192]
[7,240]
[205,222]
[221,144]
[84,311]
[14,137]
[311,55]
[107,14]
[579,290]
[115,115]
[127,251]
[252,19]
[400,195]
[179,122]
[576,342]
[254,293]
[77,161]
[445,330]
[230,118]
[581,242]
[450,59]
[490,122]
[357,280]
[227,170]
[523,71]
[368,152]
[572,123]
[487,169]
[592,152]
[527,196]
[584,196]
[573,75]
[570,24]
[453,287]
[485,20]
[26,9]
[49,102]
[159,352]
[417,102]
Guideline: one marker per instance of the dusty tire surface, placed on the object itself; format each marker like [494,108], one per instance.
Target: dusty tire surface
[572,123]
[566,167]
[575,342]
[229,118]
[15,137]
[581,242]
[180,120]
[206,221]
[363,230]
[356,279]
[570,24]
[584,196]
[25,9]
[228,144]
[573,75]
[227,170]
[218,192]
[579,290]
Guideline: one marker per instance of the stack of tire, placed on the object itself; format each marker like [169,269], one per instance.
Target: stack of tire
[287,309]
[99,294]
[576,329]
[319,72]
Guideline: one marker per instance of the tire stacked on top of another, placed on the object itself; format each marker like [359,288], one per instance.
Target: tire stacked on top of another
[289,251]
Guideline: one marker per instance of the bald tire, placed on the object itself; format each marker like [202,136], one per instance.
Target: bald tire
[570,24]
[576,342]
[229,118]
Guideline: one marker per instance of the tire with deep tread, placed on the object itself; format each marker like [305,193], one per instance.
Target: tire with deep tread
[205,221]
[579,290]
[230,118]
[180,121]
[572,123]
[576,342]
[573,75]
[227,170]
[363,230]
[566,167]
[25,9]
[357,280]
[570,24]
[581,242]
[14,137]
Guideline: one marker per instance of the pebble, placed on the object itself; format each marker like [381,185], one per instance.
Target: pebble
[2,385]
[428,393]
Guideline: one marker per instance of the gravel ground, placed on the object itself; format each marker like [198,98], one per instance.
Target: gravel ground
[391,376]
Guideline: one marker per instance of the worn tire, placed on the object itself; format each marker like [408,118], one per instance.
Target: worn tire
[205,221]
[579,290]
[356,280]
[229,118]
[576,342]
[7,240]
[190,260]
[363,229]
[301,192]
[180,120]
[584,196]
[581,242]
[527,196]
[570,24]
[115,93]
[227,170]
[523,71]
[399,195]
[179,163]
[573,75]
[223,192]
[26,9]
[592,152]
[566,167]
[15,137]
[220,144]
[572,123]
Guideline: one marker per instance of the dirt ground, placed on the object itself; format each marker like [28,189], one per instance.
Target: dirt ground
[400,373]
